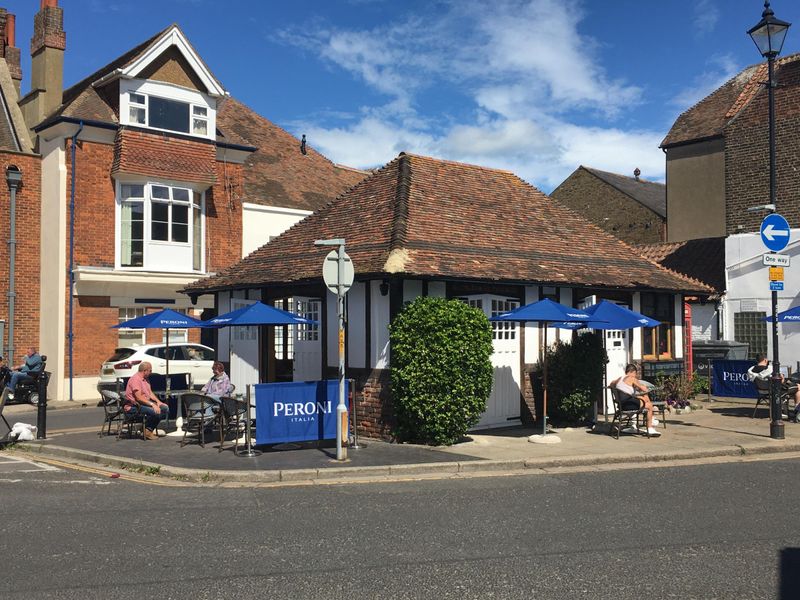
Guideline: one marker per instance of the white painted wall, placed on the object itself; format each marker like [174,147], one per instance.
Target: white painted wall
[356,325]
[531,329]
[260,223]
[331,323]
[223,333]
[379,330]
[704,321]
[748,289]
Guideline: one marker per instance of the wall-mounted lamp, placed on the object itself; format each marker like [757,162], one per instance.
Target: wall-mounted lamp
[384,288]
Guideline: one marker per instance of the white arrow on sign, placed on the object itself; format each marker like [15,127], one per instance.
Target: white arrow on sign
[770,232]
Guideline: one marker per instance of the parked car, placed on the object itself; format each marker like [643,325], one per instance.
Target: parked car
[195,359]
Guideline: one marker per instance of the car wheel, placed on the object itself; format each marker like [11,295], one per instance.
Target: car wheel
[34,398]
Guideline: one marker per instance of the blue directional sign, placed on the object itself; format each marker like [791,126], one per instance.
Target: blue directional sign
[775,286]
[775,232]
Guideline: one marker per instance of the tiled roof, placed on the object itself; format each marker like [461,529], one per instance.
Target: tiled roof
[701,259]
[650,194]
[708,118]
[13,132]
[424,217]
[278,174]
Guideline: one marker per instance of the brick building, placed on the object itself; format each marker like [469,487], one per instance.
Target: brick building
[629,208]
[717,155]
[168,176]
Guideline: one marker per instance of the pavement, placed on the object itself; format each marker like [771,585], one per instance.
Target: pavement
[721,427]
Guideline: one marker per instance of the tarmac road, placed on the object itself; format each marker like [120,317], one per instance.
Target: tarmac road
[708,531]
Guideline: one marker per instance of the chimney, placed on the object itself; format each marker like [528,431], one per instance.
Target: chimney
[11,52]
[47,62]
[636,173]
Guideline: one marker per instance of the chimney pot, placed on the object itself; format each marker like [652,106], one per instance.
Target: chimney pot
[11,30]
[50,3]
[636,173]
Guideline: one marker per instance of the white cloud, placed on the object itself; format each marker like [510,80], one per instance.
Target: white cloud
[706,16]
[719,69]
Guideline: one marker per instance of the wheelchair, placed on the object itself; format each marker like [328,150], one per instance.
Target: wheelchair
[27,390]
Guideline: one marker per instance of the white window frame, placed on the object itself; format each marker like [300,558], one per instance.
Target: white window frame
[197,102]
[195,196]
[310,309]
[126,313]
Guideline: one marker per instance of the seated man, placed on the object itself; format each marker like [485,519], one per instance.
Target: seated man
[33,364]
[762,370]
[633,395]
[140,397]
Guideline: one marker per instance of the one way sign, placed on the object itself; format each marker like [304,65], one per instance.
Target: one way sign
[775,232]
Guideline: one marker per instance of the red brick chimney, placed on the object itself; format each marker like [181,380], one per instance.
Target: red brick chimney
[8,49]
[47,62]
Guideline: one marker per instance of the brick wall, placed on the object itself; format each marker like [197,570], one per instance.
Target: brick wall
[93,338]
[375,415]
[26,271]
[747,155]
[613,211]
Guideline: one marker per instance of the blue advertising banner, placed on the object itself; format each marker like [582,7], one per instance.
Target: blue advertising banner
[730,379]
[297,411]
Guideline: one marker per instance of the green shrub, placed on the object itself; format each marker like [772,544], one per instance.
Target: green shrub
[699,385]
[441,369]
[575,377]
[677,390]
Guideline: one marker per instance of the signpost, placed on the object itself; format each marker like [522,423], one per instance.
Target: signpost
[775,233]
[338,274]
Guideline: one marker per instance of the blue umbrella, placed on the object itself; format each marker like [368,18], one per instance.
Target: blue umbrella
[607,315]
[787,316]
[162,319]
[257,313]
[544,311]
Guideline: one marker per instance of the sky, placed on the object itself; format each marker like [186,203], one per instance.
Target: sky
[537,87]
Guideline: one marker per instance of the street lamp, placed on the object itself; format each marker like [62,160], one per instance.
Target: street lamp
[768,35]
[14,181]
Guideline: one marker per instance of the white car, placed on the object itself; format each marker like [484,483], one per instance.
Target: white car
[195,359]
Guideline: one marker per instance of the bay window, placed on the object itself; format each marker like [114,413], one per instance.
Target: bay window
[160,227]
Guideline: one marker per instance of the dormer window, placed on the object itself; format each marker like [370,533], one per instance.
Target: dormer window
[161,106]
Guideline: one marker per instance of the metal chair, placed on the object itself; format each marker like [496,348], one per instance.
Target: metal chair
[624,418]
[128,419]
[201,412]
[3,398]
[112,410]
[231,420]
[763,391]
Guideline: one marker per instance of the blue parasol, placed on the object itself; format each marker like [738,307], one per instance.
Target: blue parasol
[607,315]
[257,313]
[787,316]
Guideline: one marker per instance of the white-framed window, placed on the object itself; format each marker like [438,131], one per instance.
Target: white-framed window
[503,330]
[284,336]
[167,107]
[160,227]
[126,336]
[310,310]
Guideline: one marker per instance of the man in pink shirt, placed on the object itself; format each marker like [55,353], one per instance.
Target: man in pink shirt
[140,397]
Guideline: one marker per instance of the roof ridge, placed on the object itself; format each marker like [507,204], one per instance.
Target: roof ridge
[456,163]
[592,169]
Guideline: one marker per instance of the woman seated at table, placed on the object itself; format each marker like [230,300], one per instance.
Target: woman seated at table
[633,395]
[219,385]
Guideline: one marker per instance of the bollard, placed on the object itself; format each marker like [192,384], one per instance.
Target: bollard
[41,407]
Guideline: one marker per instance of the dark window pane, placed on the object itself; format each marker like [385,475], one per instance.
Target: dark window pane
[180,233]
[180,194]
[137,230]
[180,214]
[159,232]
[169,114]
[160,211]
[159,191]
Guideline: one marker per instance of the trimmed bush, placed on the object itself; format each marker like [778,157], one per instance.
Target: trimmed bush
[575,377]
[441,369]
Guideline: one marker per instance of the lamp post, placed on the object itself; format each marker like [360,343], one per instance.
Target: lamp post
[14,181]
[768,35]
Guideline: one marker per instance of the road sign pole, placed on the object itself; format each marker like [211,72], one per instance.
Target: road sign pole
[341,409]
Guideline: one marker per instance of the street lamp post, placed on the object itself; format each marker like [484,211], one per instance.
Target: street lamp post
[14,181]
[768,35]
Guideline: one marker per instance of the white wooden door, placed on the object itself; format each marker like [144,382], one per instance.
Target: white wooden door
[307,363]
[244,351]
[503,406]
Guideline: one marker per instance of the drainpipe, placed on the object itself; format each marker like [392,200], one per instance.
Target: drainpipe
[72,250]
[14,180]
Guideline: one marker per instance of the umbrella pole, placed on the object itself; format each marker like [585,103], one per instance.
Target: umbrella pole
[166,355]
[605,381]
[544,384]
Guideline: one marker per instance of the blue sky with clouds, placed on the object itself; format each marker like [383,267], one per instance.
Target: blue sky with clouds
[534,86]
